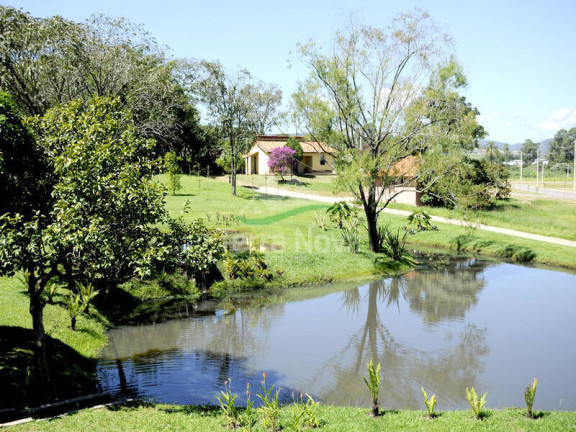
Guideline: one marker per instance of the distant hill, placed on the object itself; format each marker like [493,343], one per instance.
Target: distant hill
[500,145]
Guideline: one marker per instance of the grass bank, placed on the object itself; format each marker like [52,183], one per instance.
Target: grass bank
[71,354]
[286,229]
[152,418]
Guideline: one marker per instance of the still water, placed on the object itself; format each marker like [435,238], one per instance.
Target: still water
[474,323]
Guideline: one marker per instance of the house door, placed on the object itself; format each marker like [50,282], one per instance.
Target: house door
[255,164]
[307,164]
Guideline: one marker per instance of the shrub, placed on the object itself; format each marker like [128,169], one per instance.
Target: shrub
[339,212]
[351,234]
[393,244]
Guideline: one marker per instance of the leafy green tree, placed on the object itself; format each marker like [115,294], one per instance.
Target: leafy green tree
[561,149]
[369,98]
[102,225]
[529,151]
[237,106]
[474,185]
[23,183]
[172,168]
[294,144]
[45,62]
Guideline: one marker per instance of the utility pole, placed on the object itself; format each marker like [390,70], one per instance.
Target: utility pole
[521,163]
[537,166]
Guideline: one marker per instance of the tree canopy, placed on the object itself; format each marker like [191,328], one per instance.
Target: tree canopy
[238,106]
[381,96]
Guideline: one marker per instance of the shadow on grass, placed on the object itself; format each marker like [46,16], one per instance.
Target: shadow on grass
[384,264]
[484,415]
[539,414]
[202,410]
[72,374]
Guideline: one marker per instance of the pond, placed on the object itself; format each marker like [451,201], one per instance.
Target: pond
[494,326]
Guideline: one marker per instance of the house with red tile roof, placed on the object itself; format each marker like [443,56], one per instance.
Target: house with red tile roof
[318,157]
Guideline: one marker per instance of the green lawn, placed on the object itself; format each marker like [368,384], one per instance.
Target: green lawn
[316,184]
[555,218]
[153,418]
[308,254]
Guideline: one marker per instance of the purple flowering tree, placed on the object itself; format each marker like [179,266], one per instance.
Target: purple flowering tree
[281,160]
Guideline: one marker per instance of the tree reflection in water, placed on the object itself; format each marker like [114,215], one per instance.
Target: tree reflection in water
[437,296]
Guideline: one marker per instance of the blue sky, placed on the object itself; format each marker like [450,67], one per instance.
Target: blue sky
[519,55]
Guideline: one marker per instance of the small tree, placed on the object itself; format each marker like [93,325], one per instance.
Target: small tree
[174,172]
[294,144]
[281,159]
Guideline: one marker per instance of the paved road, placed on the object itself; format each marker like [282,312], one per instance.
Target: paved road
[552,193]
[331,200]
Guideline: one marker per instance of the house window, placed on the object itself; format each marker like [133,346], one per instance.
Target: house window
[322,160]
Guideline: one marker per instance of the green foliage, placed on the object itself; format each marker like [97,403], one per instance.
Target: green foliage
[249,415]
[106,203]
[53,61]
[191,247]
[529,395]
[227,401]
[474,185]
[237,107]
[421,220]
[271,406]
[304,414]
[320,219]
[251,267]
[75,306]
[393,244]
[340,211]
[430,403]
[23,183]
[373,384]
[351,234]
[529,151]
[475,402]
[87,293]
[294,144]
[51,290]
[172,168]
[561,149]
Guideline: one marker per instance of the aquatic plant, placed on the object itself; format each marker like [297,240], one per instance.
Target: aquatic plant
[373,384]
[249,414]
[529,394]
[227,401]
[475,402]
[430,403]
[271,407]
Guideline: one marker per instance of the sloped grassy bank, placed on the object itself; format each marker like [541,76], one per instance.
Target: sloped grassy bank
[146,417]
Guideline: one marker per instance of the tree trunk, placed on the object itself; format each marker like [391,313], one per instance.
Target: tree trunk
[372,222]
[233,165]
[41,376]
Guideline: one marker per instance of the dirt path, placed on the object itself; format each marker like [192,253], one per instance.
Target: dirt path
[331,200]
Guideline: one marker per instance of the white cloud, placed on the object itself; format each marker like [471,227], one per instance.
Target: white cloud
[563,118]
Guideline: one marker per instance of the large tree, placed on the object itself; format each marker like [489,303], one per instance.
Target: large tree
[236,104]
[561,148]
[45,62]
[385,96]
[529,151]
[102,225]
